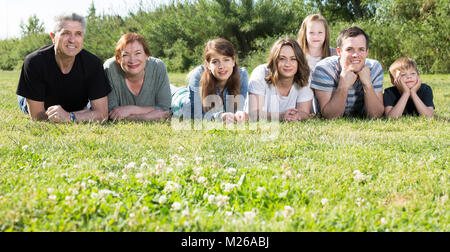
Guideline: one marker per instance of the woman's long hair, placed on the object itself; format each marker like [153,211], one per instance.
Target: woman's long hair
[208,82]
[302,38]
[301,78]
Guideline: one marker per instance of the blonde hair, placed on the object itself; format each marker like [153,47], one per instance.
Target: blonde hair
[301,78]
[302,34]
[401,64]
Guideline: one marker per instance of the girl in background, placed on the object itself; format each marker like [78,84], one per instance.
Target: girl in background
[314,39]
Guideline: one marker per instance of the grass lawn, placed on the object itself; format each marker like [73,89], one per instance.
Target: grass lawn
[317,175]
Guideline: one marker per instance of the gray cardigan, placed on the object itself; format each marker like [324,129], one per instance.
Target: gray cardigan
[155,91]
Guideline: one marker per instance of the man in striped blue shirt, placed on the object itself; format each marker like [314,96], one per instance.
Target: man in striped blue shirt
[349,84]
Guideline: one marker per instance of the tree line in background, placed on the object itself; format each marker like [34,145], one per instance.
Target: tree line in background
[177,32]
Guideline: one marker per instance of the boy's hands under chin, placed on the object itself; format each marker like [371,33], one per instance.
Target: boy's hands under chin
[402,88]
[417,86]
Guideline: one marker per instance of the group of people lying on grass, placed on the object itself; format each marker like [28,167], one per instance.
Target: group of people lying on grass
[63,82]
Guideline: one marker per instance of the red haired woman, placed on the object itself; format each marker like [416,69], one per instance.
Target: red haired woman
[140,83]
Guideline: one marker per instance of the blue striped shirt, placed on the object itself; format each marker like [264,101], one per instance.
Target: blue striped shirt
[326,78]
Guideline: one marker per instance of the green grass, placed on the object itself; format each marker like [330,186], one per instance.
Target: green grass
[56,177]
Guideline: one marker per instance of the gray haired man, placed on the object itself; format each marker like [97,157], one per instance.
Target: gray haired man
[58,81]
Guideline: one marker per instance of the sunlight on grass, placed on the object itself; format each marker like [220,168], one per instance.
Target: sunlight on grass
[318,175]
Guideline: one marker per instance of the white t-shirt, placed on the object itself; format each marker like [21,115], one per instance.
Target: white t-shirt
[312,61]
[274,102]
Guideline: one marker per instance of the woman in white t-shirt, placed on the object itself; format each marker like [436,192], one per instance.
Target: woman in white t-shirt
[279,90]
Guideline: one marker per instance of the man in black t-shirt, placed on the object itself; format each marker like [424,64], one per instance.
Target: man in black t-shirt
[58,81]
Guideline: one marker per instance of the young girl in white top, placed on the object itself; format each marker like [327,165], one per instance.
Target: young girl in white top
[314,39]
[279,89]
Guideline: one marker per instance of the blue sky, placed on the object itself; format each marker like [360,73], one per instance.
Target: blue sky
[12,12]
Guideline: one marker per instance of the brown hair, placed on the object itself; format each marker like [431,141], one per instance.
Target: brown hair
[301,78]
[351,32]
[401,64]
[208,82]
[302,34]
[127,39]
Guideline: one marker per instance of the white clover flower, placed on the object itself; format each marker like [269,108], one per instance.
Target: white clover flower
[231,171]
[444,199]
[112,175]
[160,163]
[299,176]
[52,197]
[171,187]
[288,211]
[169,170]
[73,191]
[358,176]
[91,182]
[359,201]
[227,187]
[144,166]
[50,190]
[383,221]
[145,209]
[162,199]
[324,202]
[139,175]
[202,180]
[193,178]
[287,175]
[105,193]
[261,190]
[25,147]
[185,214]
[211,199]
[198,160]
[70,198]
[176,206]
[198,170]
[228,213]
[249,216]
[130,166]
[222,200]
[283,194]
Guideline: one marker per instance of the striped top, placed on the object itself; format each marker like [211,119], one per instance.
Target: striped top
[326,78]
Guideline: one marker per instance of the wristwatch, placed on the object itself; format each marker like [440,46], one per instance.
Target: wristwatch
[73,118]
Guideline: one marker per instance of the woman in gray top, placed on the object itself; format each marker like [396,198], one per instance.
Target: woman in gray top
[140,83]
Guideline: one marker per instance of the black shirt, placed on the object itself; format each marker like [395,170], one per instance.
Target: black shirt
[391,96]
[41,80]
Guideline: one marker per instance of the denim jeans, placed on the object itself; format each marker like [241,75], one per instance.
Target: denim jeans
[23,104]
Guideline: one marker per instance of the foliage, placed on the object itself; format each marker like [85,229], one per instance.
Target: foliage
[177,32]
[34,26]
